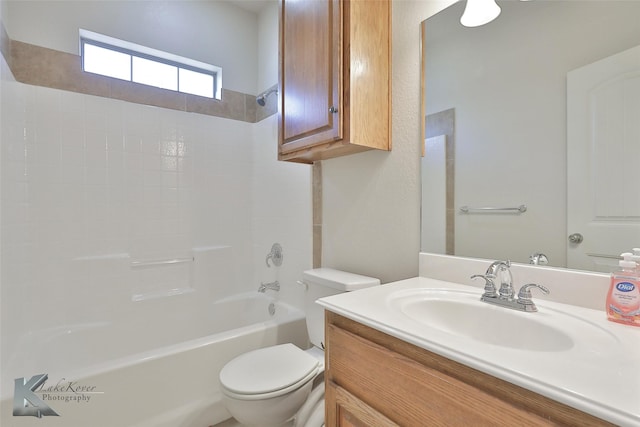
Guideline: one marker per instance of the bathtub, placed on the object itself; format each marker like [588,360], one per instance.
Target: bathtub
[148,380]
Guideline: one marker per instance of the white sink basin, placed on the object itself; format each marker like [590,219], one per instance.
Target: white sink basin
[462,314]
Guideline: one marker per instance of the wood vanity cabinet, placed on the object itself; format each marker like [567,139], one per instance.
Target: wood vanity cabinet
[334,78]
[373,379]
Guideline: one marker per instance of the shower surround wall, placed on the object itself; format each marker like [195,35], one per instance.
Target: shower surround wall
[92,185]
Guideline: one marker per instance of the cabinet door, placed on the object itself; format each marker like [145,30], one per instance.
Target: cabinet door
[410,393]
[310,73]
[345,410]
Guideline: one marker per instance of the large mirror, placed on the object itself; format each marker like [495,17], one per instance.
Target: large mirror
[532,133]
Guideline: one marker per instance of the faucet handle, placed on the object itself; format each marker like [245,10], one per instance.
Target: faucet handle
[489,285]
[524,295]
[275,255]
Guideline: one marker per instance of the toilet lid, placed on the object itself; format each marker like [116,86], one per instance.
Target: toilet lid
[267,369]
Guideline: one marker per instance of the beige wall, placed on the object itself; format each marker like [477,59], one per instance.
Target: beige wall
[371,201]
[214,32]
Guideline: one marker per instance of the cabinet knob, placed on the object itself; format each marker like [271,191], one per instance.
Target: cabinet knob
[333,109]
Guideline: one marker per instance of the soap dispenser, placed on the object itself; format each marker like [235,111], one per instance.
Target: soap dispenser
[635,257]
[623,298]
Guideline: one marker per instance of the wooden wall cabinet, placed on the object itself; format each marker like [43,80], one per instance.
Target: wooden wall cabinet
[373,379]
[334,78]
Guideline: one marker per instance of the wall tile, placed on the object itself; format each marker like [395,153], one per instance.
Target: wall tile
[232,105]
[141,94]
[49,68]
[91,183]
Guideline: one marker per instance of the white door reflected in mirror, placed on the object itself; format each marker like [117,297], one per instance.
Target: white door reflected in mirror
[603,135]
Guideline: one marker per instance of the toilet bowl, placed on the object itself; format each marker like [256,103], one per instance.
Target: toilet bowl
[267,387]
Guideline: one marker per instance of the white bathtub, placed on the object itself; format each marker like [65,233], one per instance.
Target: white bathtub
[146,380]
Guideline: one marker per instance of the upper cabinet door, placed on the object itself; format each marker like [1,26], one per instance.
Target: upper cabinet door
[335,80]
[310,73]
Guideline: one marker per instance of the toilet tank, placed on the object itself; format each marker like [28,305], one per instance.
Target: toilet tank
[322,282]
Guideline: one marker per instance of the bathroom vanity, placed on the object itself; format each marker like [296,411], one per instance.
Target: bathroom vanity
[394,357]
[374,379]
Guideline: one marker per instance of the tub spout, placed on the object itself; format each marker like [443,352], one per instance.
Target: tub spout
[274,286]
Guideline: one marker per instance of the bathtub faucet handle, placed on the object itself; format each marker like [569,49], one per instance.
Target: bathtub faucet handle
[275,255]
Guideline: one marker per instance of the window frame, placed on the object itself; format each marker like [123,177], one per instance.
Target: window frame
[135,50]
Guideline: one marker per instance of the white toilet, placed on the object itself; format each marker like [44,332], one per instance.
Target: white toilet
[269,386]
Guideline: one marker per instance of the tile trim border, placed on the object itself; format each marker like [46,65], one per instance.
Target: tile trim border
[40,66]
[443,123]
[5,44]
[316,193]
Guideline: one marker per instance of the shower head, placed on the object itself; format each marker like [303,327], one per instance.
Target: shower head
[262,98]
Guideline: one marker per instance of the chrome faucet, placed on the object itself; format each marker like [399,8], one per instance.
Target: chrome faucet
[490,276]
[493,268]
[274,286]
[538,258]
[505,296]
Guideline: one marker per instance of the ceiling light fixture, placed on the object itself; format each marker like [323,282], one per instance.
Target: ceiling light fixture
[479,12]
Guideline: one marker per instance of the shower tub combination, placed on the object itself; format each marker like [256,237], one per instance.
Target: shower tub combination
[158,384]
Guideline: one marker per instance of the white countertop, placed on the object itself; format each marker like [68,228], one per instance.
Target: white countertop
[602,380]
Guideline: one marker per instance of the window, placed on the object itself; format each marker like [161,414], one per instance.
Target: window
[127,61]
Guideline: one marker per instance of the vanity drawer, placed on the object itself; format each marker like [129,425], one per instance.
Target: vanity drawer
[410,386]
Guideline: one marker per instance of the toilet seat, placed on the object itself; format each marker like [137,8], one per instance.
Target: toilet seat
[268,372]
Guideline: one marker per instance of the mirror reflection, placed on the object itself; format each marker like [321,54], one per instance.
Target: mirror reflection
[535,115]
